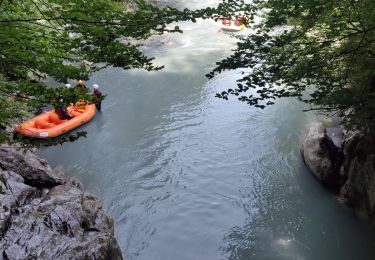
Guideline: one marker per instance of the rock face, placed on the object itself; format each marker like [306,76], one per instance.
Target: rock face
[44,217]
[35,171]
[359,167]
[345,164]
[322,156]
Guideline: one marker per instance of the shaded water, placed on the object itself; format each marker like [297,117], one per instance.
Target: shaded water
[188,176]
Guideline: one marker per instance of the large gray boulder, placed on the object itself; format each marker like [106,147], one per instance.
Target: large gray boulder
[33,169]
[345,164]
[57,221]
[321,153]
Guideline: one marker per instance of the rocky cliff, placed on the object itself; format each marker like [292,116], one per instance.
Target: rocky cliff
[42,216]
[344,163]
[359,168]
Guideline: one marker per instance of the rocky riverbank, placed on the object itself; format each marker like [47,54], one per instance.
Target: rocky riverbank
[43,216]
[344,162]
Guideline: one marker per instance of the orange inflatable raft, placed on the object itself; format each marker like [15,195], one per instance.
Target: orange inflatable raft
[49,124]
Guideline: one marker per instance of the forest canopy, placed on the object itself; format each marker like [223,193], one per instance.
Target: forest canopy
[319,51]
[322,52]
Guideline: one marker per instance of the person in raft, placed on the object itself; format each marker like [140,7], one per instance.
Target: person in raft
[80,84]
[62,111]
[99,96]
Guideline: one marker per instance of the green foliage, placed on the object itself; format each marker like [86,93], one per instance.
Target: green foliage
[325,48]
[72,39]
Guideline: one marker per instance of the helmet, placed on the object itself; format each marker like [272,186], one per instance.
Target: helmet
[95,86]
[68,85]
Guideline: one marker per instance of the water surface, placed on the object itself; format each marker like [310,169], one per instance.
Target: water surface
[188,176]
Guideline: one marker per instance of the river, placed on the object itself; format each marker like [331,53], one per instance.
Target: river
[188,176]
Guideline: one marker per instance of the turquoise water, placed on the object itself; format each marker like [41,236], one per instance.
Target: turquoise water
[188,176]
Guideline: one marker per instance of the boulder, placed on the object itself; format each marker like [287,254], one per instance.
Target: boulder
[35,171]
[14,193]
[322,155]
[336,134]
[55,221]
[359,166]
[345,164]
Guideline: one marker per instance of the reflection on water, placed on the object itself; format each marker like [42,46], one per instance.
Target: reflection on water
[189,176]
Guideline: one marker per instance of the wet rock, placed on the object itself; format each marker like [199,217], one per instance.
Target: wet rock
[336,135]
[346,164]
[14,194]
[359,166]
[55,222]
[65,224]
[322,155]
[35,171]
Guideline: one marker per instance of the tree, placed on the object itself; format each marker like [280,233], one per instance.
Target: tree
[319,51]
[72,39]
